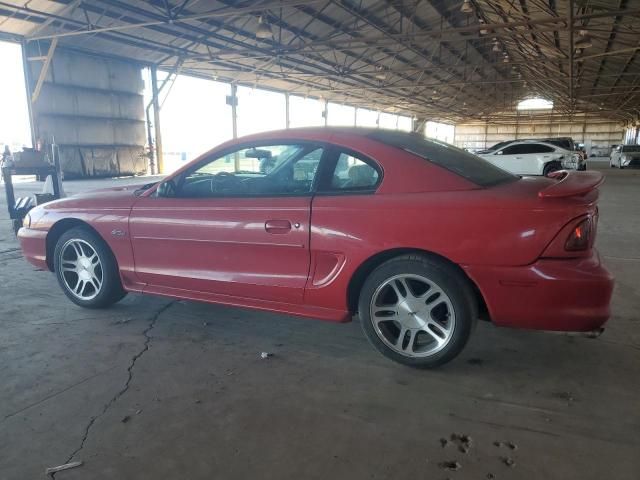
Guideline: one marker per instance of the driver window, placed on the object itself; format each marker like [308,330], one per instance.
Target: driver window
[261,170]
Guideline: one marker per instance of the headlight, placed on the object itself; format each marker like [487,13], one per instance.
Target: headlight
[26,221]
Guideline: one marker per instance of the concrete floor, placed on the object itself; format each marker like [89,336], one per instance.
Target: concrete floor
[160,389]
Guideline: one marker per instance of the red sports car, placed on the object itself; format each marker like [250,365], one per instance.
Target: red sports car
[417,237]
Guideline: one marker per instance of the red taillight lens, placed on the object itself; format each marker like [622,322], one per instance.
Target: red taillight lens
[580,237]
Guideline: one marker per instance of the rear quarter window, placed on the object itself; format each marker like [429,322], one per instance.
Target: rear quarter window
[456,160]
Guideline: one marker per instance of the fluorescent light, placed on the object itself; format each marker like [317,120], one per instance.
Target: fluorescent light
[584,42]
[263,30]
[466,7]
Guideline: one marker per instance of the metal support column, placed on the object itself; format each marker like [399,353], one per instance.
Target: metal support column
[233,101]
[287,121]
[156,119]
[325,113]
[234,109]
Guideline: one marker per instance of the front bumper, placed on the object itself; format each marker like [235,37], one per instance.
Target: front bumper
[34,246]
[550,294]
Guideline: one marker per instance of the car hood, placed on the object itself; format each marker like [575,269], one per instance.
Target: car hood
[114,197]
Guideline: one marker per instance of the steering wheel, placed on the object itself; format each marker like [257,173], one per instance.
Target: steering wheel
[223,179]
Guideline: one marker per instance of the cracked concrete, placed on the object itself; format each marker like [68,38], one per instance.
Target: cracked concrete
[147,339]
[202,404]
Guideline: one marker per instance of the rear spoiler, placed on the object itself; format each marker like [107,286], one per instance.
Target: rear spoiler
[571,184]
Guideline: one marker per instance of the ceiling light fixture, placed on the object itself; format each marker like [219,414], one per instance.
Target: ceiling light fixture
[466,7]
[263,30]
[584,42]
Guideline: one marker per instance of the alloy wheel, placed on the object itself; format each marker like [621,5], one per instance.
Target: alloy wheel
[81,269]
[412,315]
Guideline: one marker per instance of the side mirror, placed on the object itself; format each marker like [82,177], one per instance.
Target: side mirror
[166,189]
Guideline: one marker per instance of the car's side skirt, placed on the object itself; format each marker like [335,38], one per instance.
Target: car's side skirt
[309,311]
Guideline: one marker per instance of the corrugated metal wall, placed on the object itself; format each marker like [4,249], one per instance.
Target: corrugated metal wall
[599,135]
[93,107]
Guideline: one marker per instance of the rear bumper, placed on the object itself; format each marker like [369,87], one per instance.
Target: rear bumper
[550,294]
[34,246]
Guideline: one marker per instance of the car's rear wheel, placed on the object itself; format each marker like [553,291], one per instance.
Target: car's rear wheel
[417,310]
[86,269]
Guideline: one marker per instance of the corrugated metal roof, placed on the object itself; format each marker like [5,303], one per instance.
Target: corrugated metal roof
[426,58]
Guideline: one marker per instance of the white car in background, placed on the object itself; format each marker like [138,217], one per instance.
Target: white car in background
[625,156]
[532,158]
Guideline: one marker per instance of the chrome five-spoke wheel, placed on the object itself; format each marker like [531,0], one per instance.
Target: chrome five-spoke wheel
[412,315]
[418,310]
[86,269]
[81,268]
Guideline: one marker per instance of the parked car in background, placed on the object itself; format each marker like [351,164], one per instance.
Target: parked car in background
[417,237]
[599,151]
[571,161]
[526,157]
[625,156]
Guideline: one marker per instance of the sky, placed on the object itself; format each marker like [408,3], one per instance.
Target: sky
[14,117]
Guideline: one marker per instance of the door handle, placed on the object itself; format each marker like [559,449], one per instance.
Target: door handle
[277,226]
[518,158]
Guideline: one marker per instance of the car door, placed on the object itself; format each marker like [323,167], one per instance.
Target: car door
[521,159]
[236,225]
[512,158]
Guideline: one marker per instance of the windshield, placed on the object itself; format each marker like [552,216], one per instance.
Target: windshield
[456,160]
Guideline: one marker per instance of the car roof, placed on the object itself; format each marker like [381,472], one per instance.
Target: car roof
[527,141]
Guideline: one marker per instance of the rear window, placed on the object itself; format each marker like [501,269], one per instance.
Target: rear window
[454,159]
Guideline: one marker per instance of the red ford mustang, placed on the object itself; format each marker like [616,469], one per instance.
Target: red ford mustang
[417,237]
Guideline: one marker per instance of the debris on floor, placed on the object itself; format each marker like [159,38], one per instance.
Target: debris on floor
[450,465]
[490,476]
[60,468]
[566,396]
[125,419]
[508,461]
[462,441]
[509,445]
[266,354]
[444,442]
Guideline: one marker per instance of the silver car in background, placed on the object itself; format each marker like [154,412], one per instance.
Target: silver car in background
[625,156]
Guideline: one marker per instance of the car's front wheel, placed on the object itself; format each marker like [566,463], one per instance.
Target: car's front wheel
[417,310]
[86,269]
[551,167]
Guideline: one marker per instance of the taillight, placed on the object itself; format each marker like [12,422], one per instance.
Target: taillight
[580,237]
[575,239]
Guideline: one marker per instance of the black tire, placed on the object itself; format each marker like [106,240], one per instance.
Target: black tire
[445,277]
[551,167]
[111,290]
